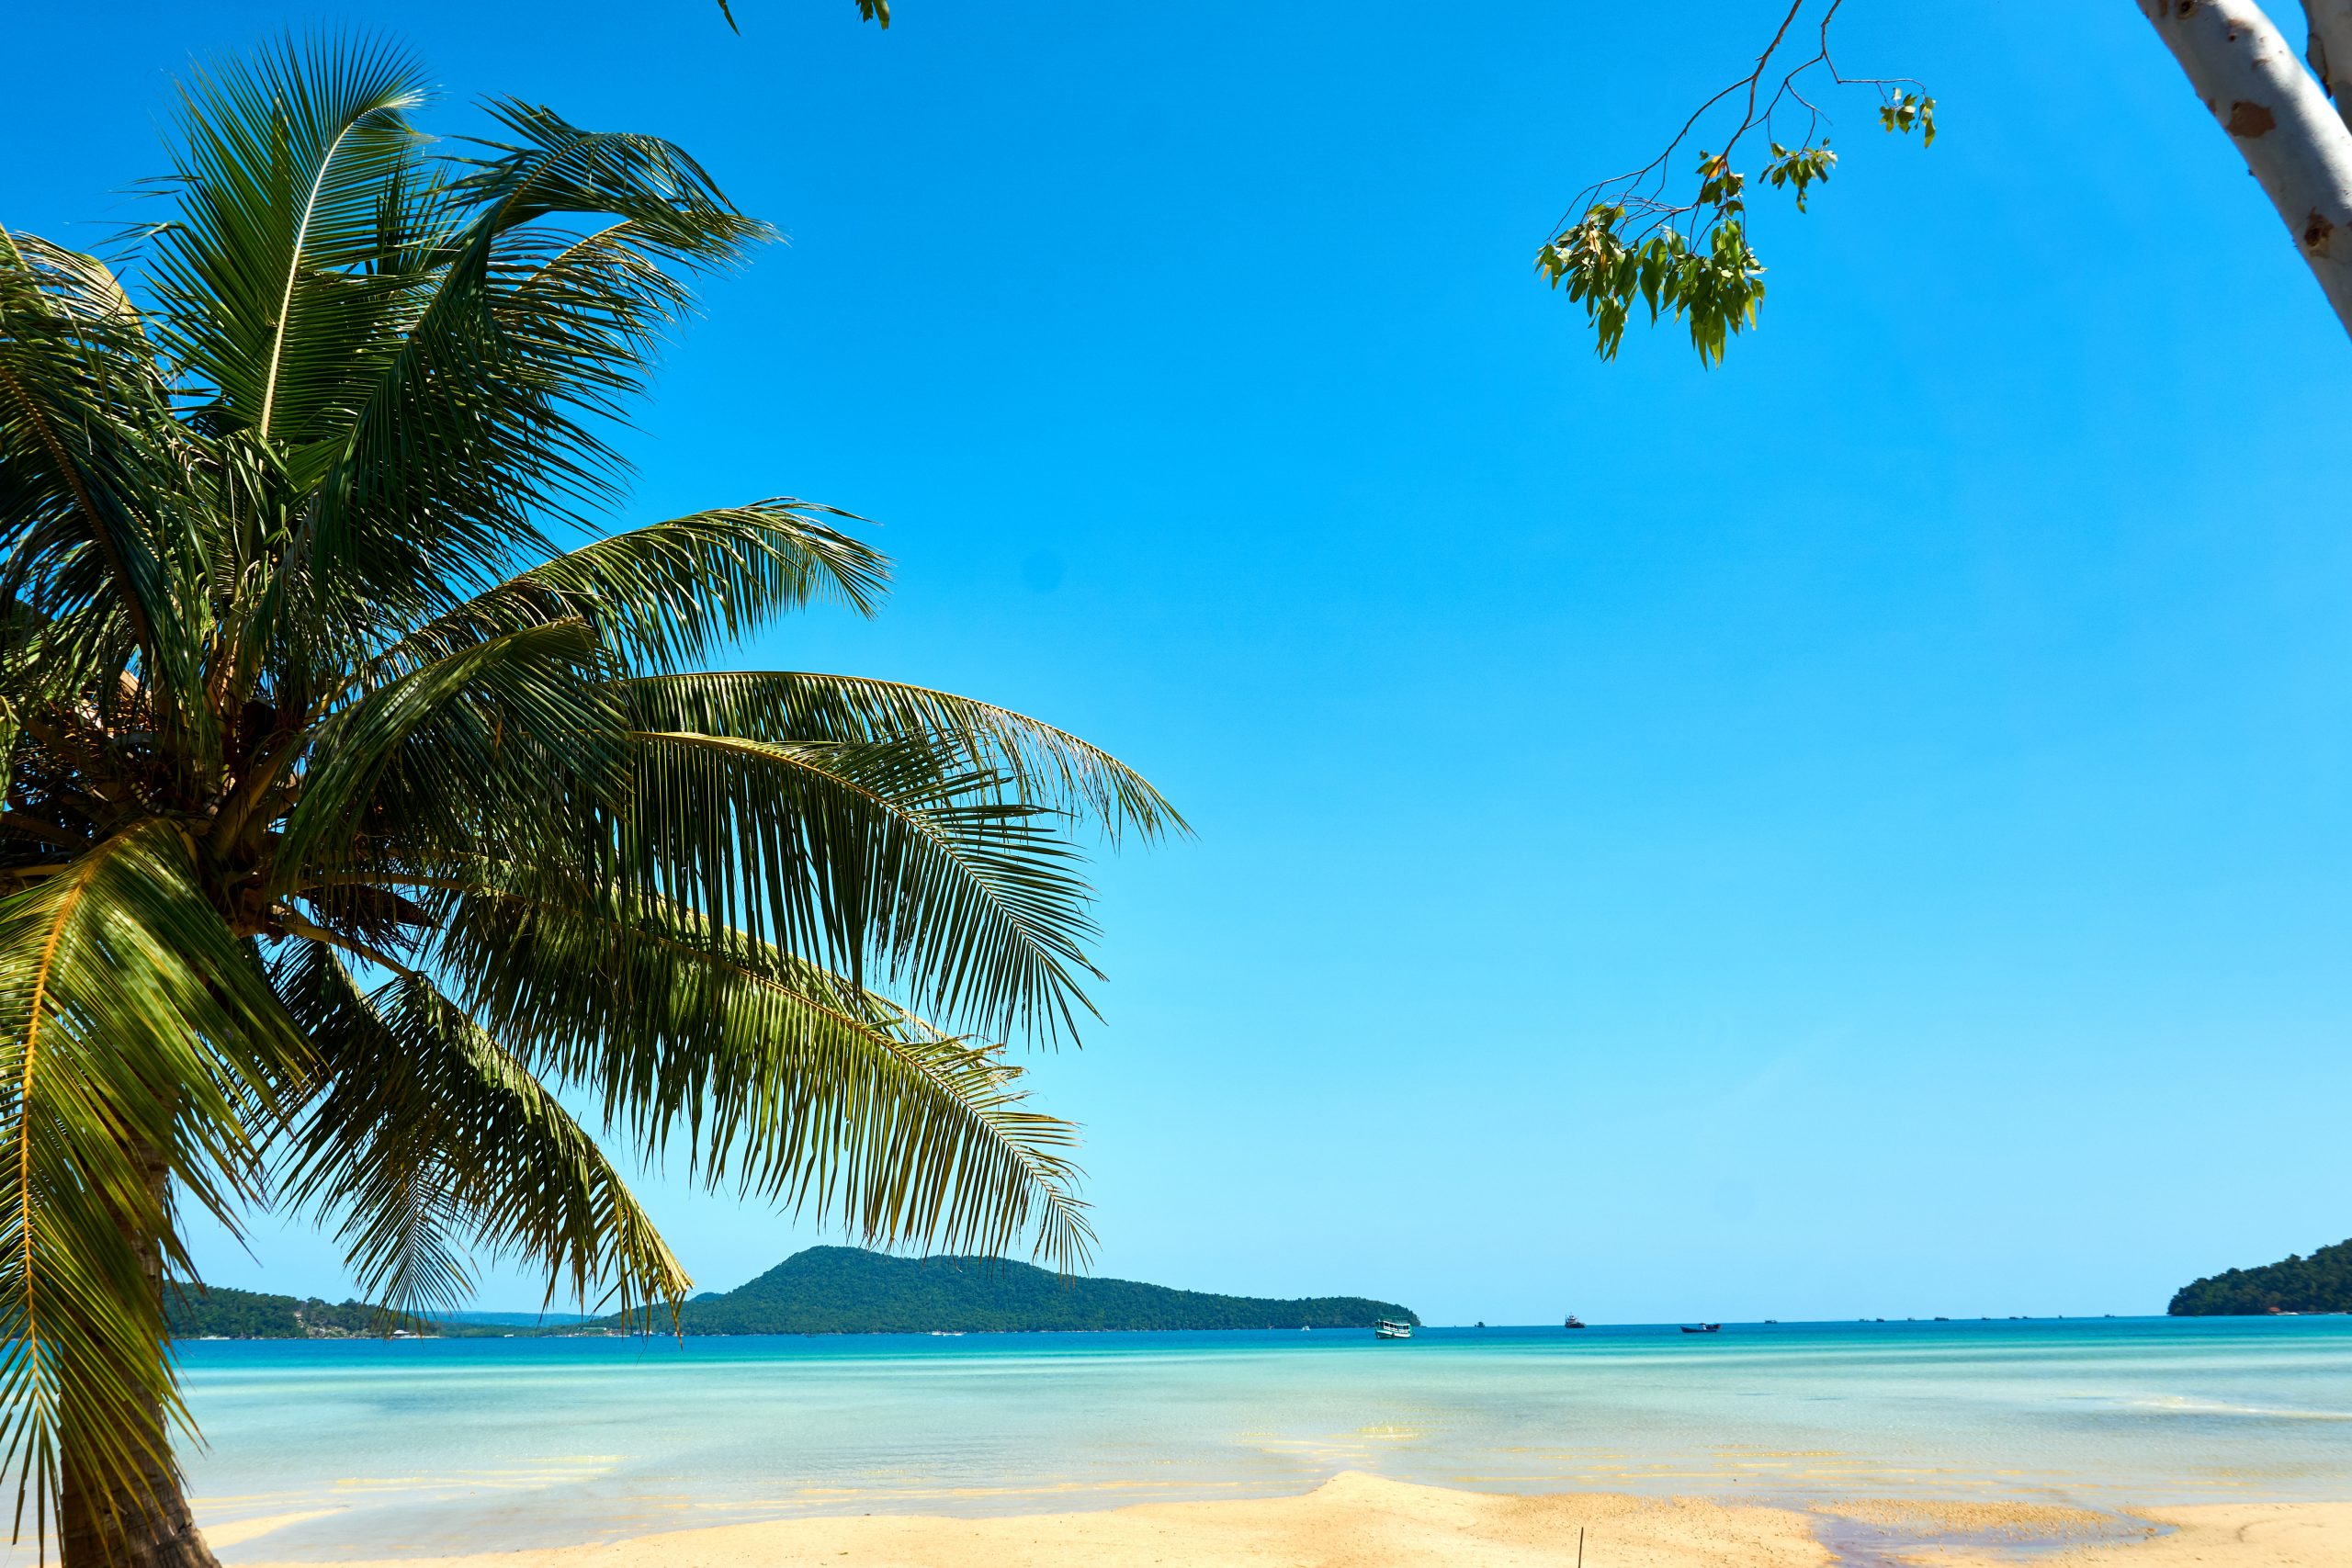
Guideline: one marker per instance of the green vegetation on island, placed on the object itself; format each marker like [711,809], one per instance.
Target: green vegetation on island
[2322,1282]
[846,1290]
[824,1290]
[198,1312]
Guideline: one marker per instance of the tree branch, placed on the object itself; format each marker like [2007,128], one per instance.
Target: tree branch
[286,922]
[2278,116]
[2330,51]
[1624,240]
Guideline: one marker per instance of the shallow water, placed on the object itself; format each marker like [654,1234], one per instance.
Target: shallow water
[435,1446]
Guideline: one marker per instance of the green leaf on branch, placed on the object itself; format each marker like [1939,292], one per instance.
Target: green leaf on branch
[1906,111]
[1715,286]
[1800,168]
[1720,184]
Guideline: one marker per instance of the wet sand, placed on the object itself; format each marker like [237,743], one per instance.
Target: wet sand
[2207,1535]
[1362,1521]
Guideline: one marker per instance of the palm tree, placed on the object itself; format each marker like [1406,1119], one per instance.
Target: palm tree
[364,797]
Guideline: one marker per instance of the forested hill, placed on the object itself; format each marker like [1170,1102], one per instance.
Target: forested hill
[2322,1282]
[845,1290]
[217,1313]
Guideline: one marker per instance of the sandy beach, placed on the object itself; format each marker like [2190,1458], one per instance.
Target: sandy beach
[1361,1521]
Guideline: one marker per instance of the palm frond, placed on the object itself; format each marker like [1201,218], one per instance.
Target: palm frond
[550,291]
[100,561]
[477,747]
[784,1080]
[880,855]
[1038,762]
[432,1141]
[674,591]
[270,277]
[136,1036]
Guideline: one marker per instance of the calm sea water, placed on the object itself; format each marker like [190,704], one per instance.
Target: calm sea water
[424,1447]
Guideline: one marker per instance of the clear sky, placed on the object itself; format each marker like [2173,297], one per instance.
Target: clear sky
[1858,831]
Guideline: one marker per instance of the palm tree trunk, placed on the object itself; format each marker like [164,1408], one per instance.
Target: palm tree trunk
[146,1525]
[145,1522]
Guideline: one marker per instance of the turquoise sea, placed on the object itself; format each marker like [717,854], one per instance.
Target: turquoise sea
[433,1446]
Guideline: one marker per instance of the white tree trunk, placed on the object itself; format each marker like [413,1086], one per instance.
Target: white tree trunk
[2278,117]
[2331,49]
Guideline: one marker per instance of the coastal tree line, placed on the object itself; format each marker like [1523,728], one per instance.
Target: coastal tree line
[2321,1283]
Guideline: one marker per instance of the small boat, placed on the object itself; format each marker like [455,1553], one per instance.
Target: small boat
[1391,1328]
[1703,1328]
[1574,1321]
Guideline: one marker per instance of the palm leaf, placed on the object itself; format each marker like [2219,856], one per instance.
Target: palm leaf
[475,748]
[860,854]
[268,276]
[1039,762]
[670,592]
[785,1079]
[530,328]
[101,559]
[133,1029]
[435,1143]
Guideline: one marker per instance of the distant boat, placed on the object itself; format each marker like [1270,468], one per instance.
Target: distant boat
[1391,1328]
[1574,1321]
[1703,1328]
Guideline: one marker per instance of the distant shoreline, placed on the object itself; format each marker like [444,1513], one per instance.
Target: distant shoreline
[435,1329]
[836,1289]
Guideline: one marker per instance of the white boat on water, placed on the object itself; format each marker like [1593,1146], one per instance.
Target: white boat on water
[1391,1328]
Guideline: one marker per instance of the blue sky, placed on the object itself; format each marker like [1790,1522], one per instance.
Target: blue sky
[1858,831]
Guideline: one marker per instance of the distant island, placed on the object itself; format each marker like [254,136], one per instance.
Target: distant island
[847,1290]
[216,1312]
[824,1290]
[2322,1282]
